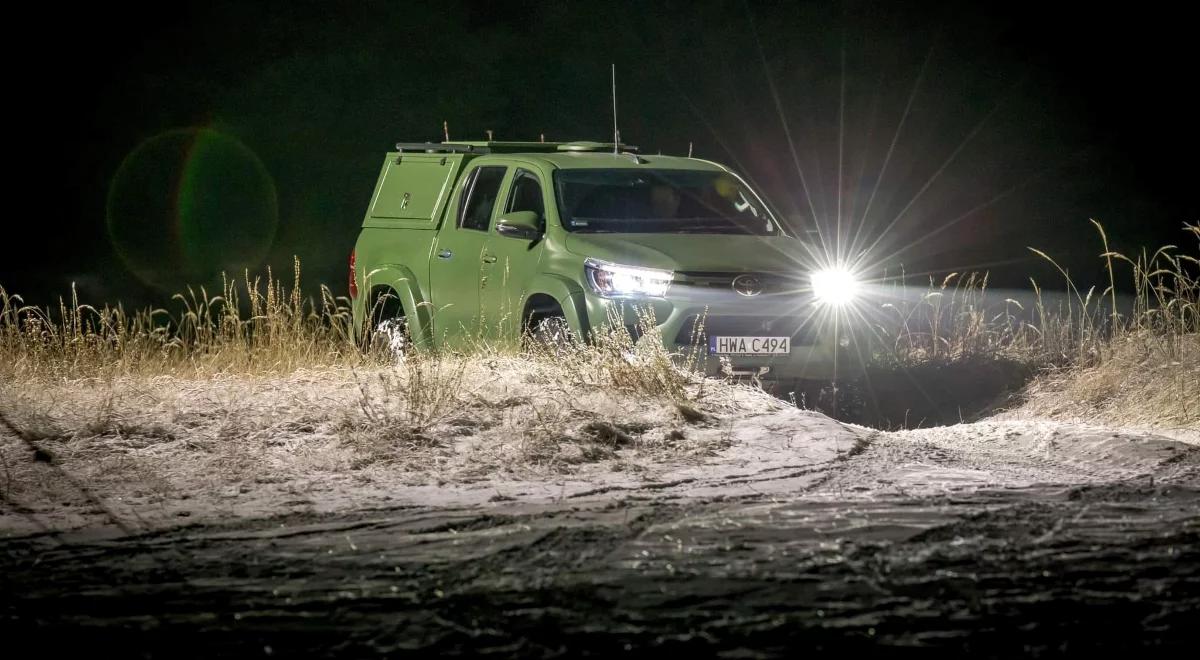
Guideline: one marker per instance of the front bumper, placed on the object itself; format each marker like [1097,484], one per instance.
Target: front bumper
[822,346]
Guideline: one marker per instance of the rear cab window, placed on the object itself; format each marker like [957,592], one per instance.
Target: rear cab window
[479,197]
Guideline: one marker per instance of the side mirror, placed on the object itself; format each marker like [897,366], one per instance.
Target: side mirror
[519,224]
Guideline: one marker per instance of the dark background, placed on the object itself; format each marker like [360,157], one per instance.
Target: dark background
[1034,118]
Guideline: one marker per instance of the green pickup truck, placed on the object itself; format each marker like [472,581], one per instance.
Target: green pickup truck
[465,241]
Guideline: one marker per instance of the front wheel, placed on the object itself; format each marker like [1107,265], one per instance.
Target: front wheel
[551,332]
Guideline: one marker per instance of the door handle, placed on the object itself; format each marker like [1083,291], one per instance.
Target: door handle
[445,254]
[489,258]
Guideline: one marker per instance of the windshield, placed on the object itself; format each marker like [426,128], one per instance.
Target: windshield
[659,202]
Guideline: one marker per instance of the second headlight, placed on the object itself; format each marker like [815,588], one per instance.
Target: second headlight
[834,286]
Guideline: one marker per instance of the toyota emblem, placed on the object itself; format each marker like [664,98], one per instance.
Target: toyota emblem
[747,285]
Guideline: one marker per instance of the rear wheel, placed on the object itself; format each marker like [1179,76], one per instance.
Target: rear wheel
[391,335]
[388,332]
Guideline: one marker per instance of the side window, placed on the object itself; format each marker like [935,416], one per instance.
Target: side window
[526,195]
[466,195]
[475,209]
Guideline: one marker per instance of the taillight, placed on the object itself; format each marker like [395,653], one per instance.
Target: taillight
[353,279]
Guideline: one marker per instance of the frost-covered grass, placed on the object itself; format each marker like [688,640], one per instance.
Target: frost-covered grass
[1091,357]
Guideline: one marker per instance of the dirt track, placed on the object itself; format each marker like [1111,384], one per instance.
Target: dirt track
[995,539]
[1024,571]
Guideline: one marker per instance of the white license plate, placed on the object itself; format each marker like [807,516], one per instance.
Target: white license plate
[749,345]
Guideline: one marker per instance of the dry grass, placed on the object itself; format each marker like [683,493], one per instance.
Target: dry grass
[1138,368]
[951,320]
[252,327]
[1096,360]
[1136,383]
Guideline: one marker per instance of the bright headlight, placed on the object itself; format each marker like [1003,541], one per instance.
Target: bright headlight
[614,280]
[834,286]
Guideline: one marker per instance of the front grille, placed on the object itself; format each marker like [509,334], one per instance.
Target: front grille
[723,281]
[696,329]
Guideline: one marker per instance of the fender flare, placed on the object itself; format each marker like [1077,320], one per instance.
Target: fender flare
[404,282]
[569,296]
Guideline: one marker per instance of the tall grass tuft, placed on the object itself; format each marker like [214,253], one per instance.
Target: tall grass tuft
[956,318]
[253,326]
[1149,343]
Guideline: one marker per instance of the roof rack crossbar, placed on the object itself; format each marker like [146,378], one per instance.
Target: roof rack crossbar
[492,147]
[434,147]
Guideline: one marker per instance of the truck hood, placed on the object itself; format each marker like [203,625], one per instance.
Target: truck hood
[695,252]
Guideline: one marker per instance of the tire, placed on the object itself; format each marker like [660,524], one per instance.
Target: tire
[391,335]
[389,327]
[551,332]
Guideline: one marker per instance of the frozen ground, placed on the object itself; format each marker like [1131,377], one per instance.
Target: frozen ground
[285,517]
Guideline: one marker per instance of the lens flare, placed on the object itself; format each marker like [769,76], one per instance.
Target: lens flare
[189,203]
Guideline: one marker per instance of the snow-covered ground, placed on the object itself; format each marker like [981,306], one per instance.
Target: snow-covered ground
[135,456]
[333,514]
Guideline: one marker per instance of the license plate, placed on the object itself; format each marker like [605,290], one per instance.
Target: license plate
[749,345]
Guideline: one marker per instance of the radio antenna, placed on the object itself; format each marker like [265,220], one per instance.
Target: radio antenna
[616,133]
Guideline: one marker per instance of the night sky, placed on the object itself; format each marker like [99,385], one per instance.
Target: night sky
[169,143]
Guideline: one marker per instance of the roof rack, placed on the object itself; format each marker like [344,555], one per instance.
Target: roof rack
[442,147]
[595,146]
[488,147]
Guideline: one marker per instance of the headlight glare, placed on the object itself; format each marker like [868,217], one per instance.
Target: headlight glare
[834,286]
